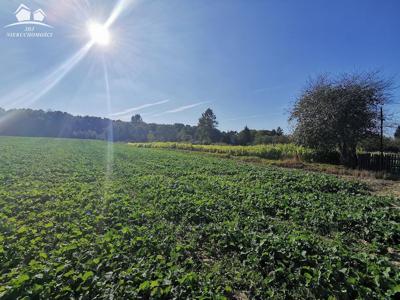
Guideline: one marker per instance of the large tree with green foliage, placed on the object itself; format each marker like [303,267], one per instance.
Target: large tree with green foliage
[245,137]
[207,127]
[337,113]
[136,119]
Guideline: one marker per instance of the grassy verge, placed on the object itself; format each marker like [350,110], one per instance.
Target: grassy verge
[275,151]
[281,155]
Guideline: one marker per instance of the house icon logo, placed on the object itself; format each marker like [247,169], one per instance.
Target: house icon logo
[25,16]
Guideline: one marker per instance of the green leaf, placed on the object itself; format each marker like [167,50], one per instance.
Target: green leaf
[23,229]
[37,288]
[344,270]
[145,285]
[351,280]
[69,273]
[228,289]
[396,289]
[21,279]
[48,225]
[60,268]
[87,275]
[308,278]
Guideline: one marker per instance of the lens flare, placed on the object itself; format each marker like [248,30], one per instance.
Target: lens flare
[99,33]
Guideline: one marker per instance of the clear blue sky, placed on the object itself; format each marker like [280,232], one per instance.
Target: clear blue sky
[170,60]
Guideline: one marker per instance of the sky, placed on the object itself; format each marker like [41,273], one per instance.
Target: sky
[170,60]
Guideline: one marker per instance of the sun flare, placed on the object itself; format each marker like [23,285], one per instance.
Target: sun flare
[99,33]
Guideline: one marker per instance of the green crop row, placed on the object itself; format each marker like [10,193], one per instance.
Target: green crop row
[91,220]
[273,151]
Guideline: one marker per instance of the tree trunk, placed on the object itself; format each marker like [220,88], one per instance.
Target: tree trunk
[348,155]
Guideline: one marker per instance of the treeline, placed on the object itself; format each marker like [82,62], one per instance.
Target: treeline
[28,122]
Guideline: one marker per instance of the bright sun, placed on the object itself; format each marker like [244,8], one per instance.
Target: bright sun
[99,33]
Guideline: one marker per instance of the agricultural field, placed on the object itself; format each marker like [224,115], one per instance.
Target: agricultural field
[91,220]
[271,151]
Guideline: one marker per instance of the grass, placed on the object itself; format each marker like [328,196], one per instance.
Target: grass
[282,155]
[78,222]
[273,151]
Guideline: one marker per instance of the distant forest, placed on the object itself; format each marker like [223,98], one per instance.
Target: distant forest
[39,123]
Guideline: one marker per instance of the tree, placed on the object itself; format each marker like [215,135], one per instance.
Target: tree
[229,137]
[279,131]
[245,137]
[28,122]
[136,119]
[397,133]
[338,113]
[207,127]
[186,134]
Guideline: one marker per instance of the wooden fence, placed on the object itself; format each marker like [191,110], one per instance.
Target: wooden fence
[375,162]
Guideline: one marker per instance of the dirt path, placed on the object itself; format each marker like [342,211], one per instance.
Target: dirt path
[385,187]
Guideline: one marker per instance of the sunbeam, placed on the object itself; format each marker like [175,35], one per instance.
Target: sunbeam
[110,137]
[118,9]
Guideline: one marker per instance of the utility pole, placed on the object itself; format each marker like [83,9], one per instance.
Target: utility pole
[381,146]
